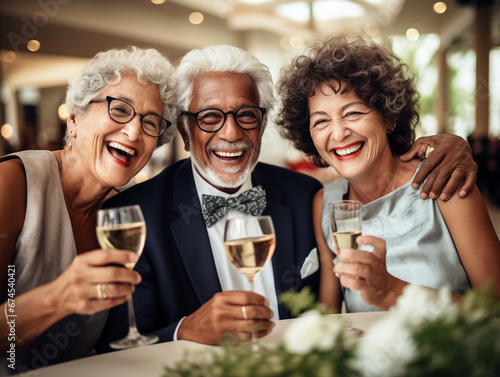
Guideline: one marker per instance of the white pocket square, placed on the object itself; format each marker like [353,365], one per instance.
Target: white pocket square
[311,264]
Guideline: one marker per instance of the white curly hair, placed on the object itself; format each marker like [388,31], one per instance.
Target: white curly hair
[107,67]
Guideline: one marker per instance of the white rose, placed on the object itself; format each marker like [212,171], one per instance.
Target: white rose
[312,331]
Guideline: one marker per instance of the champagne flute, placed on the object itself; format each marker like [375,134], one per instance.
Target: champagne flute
[250,242]
[345,223]
[125,228]
[345,226]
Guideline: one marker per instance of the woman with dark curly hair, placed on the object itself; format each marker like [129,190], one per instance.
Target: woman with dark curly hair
[352,105]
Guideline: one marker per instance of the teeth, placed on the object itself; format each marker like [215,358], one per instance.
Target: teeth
[115,145]
[227,154]
[350,150]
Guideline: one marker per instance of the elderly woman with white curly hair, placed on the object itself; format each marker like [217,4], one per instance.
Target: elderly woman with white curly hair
[56,282]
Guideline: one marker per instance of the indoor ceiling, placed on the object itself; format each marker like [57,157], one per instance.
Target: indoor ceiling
[82,27]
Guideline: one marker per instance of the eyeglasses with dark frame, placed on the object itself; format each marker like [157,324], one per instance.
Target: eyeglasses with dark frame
[213,119]
[122,112]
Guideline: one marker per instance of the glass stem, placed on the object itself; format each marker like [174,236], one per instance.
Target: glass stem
[254,342]
[133,333]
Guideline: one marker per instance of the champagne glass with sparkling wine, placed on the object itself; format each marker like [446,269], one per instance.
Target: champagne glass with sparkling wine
[124,228]
[345,223]
[250,242]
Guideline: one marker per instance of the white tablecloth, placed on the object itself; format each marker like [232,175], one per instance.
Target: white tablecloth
[150,360]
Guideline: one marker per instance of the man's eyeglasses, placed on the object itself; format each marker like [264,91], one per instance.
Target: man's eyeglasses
[212,120]
[123,112]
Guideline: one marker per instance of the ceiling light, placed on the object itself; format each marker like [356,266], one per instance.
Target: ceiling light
[296,41]
[323,10]
[196,18]
[412,34]
[285,43]
[334,10]
[439,7]
[158,2]
[254,2]
[62,112]
[33,45]
[7,131]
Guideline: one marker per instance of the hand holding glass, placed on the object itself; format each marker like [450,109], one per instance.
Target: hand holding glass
[345,223]
[250,242]
[124,228]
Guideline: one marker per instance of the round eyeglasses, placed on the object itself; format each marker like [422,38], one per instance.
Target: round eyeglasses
[212,119]
[123,112]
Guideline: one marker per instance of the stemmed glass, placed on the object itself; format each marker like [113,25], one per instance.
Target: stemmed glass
[345,223]
[345,226]
[124,228]
[250,242]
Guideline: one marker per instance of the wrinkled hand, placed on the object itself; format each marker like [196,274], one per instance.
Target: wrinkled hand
[366,272]
[447,166]
[76,288]
[223,313]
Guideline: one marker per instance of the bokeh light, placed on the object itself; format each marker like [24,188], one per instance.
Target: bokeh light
[7,131]
[196,18]
[33,45]
[439,7]
[412,34]
[62,112]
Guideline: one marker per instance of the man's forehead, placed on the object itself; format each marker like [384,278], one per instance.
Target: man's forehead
[211,88]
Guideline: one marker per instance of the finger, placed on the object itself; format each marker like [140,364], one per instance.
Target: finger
[379,246]
[254,312]
[240,298]
[356,255]
[97,305]
[428,167]
[470,181]
[452,185]
[417,149]
[104,257]
[113,290]
[353,283]
[113,274]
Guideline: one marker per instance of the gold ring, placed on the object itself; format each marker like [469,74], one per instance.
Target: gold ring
[244,311]
[429,150]
[101,291]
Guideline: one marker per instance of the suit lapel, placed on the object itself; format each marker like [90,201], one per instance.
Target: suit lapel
[190,235]
[283,259]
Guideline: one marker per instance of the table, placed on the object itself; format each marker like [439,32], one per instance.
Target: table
[150,360]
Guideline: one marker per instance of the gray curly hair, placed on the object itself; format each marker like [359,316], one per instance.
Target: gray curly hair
[223,58]
[107,67]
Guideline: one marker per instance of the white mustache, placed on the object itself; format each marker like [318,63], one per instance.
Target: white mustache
[227,145]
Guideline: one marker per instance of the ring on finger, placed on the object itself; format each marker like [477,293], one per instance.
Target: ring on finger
[101,291]
[429,150]
[244,311]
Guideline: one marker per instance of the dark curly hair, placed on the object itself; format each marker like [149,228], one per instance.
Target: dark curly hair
[373,71]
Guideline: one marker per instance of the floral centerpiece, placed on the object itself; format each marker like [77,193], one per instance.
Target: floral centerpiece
[424,334]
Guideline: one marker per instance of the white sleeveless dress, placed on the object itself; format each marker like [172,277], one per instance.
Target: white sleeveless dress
[44,249]
[420,249]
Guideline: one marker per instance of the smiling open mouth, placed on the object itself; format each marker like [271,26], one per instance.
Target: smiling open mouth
[352,149]
[120,152]
[229,154]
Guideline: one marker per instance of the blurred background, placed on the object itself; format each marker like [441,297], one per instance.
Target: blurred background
[452,46]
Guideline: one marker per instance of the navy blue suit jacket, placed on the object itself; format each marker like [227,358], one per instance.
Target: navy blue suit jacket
[177,267]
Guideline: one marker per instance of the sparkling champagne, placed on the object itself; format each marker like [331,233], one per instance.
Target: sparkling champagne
[123,236]
[249,255]
[345,240]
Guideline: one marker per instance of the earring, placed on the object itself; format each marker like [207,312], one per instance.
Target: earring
[69,141]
